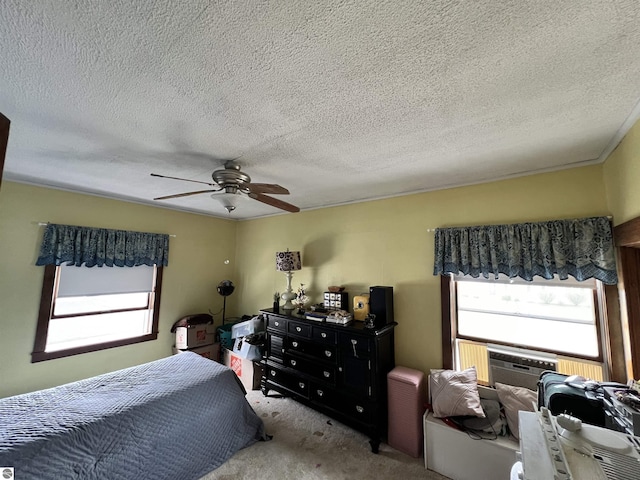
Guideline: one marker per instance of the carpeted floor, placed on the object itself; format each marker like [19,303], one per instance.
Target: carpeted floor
[308,445]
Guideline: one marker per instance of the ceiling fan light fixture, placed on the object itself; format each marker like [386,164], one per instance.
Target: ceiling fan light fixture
[228,200]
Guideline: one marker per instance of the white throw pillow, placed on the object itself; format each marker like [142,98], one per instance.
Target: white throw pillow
[455,393]
[514,399]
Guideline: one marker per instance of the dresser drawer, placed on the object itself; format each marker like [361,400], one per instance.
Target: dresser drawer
[275,347]
[354,345]
[288,381]
[277,323]
[326,373]
[324,335]
[363,412]
[326,353]
[300,329]
[324,395]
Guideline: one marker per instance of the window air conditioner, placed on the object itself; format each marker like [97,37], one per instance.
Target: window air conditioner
[517,366]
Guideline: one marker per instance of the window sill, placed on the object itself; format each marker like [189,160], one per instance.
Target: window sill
[43,356]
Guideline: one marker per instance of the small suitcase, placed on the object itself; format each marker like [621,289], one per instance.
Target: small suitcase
[560,397]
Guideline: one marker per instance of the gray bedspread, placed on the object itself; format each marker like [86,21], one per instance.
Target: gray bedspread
[176,418]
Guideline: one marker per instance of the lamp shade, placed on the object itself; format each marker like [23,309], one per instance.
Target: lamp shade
[288,261]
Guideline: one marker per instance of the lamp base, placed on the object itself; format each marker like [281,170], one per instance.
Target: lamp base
[288,295]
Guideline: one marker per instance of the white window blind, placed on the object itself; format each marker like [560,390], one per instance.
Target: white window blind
[85,281]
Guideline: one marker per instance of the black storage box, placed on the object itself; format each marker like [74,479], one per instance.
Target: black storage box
[560,397]
[381,305]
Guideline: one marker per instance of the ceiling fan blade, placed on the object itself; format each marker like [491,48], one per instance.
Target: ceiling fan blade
[274,202]
[183,179]
[270,188]
[166,197]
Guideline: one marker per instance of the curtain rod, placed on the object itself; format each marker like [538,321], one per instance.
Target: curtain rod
[610,217]
[42,224]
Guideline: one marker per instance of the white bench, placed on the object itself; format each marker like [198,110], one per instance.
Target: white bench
[456,455]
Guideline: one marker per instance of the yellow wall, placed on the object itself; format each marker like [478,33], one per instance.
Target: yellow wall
[383,242]
[386,242]
[196,265]
[621,174]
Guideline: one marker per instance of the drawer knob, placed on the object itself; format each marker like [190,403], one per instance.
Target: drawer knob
[327,374]
[328,353]
[293,363]
[298,329]
[294,344]
[277,324]
[273,373]
[320,393]
[301,385]
[323,335]
[359,409]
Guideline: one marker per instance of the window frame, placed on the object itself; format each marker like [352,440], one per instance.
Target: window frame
[448,296]
[47,303]
[627,239]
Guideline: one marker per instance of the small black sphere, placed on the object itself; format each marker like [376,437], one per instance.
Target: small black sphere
[226,288]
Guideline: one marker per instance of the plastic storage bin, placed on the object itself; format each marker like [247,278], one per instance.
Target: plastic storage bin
[255,325]
[224,334]
[245,350]
[406,393]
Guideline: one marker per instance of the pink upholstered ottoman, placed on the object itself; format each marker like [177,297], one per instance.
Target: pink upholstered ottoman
[406,398]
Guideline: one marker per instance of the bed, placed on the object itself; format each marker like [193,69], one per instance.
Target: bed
[178,417]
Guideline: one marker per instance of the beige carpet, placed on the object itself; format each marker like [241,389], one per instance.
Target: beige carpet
[309,445]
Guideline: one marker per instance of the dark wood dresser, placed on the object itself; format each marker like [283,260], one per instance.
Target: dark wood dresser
[339,370]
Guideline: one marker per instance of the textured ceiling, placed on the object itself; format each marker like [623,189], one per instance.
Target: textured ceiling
[338,101]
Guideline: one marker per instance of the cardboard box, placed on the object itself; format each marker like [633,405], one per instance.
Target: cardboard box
[245,350]
[212,352]
[249,372]
[194,336]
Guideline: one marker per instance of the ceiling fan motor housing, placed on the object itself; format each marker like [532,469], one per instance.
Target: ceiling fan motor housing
[231,180]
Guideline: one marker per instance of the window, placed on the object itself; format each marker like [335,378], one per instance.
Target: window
[545,316]
[87,309]
[555,317]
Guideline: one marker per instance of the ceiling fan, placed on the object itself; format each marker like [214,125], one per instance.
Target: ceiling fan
[232,180]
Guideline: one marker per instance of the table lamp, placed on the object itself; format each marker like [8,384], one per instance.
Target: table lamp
[288,262]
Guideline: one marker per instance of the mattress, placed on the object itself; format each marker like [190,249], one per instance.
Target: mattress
[178,417]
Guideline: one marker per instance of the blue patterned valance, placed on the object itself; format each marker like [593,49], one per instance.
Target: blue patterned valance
[582,248]
[72,245]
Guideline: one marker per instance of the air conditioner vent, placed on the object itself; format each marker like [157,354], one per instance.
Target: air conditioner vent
[518,367]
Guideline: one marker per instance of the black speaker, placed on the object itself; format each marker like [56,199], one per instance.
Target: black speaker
[381,305]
